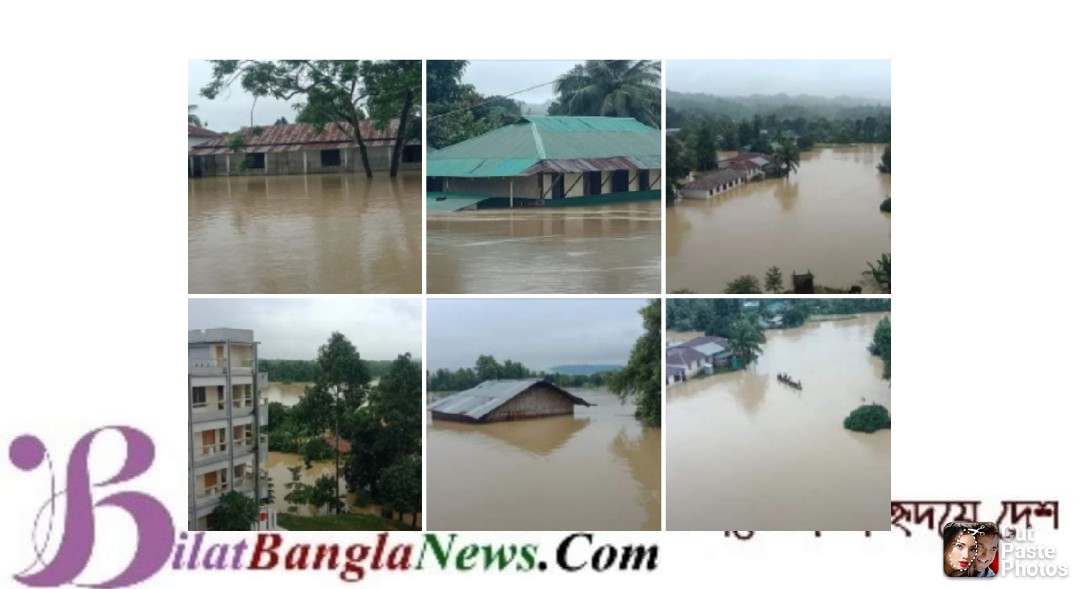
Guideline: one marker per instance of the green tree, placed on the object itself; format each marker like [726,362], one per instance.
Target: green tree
[881,274]
[325,493]
[612,88]
[745,284]
[882,345]
[678,165]
[341,371]
[334,90]
[487,368]
[868,419]
[885,165]
[235,512]
[298,493]
[786,156]
[402,486]
[705,148]
[394,90]
[192,118]
[747,339]
[640,379]
[280,121]
[773,280]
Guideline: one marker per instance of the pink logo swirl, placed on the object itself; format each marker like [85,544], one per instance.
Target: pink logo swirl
[154,526]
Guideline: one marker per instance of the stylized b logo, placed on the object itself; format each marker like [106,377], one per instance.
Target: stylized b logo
[155,530]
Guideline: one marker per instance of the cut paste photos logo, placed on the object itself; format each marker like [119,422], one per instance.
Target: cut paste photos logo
[970,549]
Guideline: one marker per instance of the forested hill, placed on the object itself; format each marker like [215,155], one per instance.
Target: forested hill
[784,106]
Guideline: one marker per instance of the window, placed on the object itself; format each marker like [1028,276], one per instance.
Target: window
[198,396]
[412,154]
[435,184]
[330,157]
[643,181]
[255,161]
[620,181]
[593,183]
[558,187]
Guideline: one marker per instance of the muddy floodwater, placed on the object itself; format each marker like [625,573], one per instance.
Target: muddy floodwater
[287,394]
[825,218]
[597,470]
[746,452]
[611,249]
[326,233]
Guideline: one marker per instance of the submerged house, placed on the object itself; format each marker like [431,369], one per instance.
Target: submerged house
[548,161]
[506,400]
[300,148]
[687,359]
[732,171]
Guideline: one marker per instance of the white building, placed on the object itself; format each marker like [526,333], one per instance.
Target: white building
[226,450]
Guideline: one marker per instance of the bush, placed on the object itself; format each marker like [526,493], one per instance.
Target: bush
[886,206]
[868,419]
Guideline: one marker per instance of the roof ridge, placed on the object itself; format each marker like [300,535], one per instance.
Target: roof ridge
[541,153]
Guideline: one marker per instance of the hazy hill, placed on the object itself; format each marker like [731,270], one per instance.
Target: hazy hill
[584,369]
[782,105]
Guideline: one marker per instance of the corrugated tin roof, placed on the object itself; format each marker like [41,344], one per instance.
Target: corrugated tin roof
[710,349]
[596,165]
[715,180]
[193,131]
[477,402]
[300,136]
[705,339]
[514,149]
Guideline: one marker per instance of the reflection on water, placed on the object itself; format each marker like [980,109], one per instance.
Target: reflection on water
[327,233]
[610,249]
[286,394]
[746,452]
[596,470]
[825,218]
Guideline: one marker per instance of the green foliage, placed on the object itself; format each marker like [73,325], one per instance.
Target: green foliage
[610,88]
[456,111]
[881,273]
[786,156]
[235,512]
[402,486]
[882,345]
[235,142]
[192,118]
[745,284]
[640,379]
[324,493]
[342,373]
[298,493]
[489,368]
[794,316]
[885,165]
[339,522]
[678,165]
[747,339]
[773,280]
[868,419]
[394,89]
[886,206]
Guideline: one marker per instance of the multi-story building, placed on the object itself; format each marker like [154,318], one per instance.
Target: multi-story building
[226,449]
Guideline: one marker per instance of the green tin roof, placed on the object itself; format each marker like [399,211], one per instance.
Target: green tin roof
[510,150]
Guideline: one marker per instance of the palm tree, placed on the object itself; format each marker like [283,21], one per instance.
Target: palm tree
[615,88]
[192,118]
[786,156]
[746,339]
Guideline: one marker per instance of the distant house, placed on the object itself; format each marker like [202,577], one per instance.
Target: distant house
[683,364]
[506,400]
[547,161]
[751,305]
[300,148]
[732,171]
[716,350]
[197,135]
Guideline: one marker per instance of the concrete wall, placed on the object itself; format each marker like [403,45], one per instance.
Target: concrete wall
[537,401]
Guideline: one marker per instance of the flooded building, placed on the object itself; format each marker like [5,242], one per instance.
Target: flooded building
[506,400]
[300,148]
[197,135]
[687,359]
[732,171]
[226,449]
[548,161]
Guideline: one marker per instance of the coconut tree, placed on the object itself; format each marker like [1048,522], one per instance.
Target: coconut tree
[746,339]
[611,88]
[786,156]
[192,118]
[881,273]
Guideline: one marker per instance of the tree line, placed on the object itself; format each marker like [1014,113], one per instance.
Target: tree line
[288,371]
[616,88]
[489,368]
[341,93]
[717,317]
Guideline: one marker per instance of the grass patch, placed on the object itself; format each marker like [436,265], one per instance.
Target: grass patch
[366,522]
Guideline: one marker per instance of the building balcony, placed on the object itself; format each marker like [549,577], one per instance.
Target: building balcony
[243,446]
[210,495]
[209,454]
[208,411]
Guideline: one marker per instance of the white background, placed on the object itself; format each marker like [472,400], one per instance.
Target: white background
[94,242]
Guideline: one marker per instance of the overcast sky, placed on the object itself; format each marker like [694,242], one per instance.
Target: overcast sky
[503,77]
[293,329]
[540,333]
[829,78]
[231,110]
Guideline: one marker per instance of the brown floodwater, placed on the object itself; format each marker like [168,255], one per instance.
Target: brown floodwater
[825,218]
[597,470]
[609,250]
[746,452]
[326,233]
